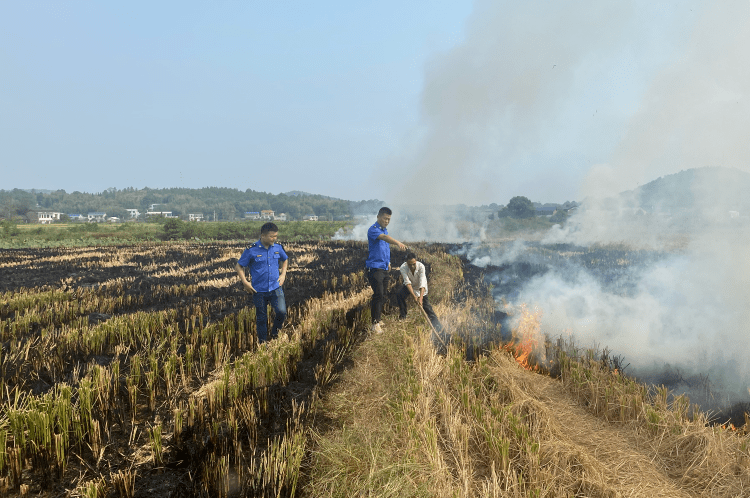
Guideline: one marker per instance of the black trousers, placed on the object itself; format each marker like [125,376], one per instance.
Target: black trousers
[379,280]
[403,295]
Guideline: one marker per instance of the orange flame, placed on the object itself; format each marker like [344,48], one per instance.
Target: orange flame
[527,336]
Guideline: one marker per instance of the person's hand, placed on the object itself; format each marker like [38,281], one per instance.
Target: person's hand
[402,246]
[249,287]
[282,278]
[419,300]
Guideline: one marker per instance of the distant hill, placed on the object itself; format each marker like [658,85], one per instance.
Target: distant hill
[299,193]
[709,190]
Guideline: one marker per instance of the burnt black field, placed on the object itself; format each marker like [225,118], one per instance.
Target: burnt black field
[506,268]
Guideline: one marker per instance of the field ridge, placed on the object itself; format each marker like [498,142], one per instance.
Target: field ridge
[408,419]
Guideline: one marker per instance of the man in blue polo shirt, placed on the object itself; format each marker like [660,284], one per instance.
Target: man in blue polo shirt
[263,258]
[379,263]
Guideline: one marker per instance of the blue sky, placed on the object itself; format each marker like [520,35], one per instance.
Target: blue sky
[433,102]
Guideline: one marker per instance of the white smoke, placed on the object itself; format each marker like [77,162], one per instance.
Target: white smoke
[482,256]
[535,94]
[450,224]
[358,232]
[686,307]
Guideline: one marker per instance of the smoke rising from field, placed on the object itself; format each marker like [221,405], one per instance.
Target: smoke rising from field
[690,309]
[535,95]
[687,309]
[679,300]
[450,224]
[665,89]
[577,99]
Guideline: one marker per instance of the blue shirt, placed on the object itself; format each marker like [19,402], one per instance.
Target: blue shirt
[264,265]
[380,251]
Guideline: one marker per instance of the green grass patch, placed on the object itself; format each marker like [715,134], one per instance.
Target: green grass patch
[94,234]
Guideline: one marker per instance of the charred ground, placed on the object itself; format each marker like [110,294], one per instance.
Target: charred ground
[169,303]
[507,267]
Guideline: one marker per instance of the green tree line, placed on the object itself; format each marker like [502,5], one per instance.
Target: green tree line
[228,204]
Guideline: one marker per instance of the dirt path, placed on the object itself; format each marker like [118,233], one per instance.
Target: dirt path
[624,465]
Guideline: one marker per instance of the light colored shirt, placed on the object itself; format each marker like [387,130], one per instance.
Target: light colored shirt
[417,280]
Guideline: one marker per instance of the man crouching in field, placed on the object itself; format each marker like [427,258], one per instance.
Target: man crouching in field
[262,258]
[415,284]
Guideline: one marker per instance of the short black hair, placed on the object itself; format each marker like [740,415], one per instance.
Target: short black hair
[410,255]
[385,210]
[269,227]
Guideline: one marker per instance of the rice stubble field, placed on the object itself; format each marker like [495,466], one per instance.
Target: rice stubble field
[134,371]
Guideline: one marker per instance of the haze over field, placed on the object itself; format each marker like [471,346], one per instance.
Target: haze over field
[438,103]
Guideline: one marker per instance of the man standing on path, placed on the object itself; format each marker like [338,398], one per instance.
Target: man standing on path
[415,283]
[263,258]
[379,263]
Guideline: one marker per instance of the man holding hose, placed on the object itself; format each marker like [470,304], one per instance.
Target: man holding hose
[415,284]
